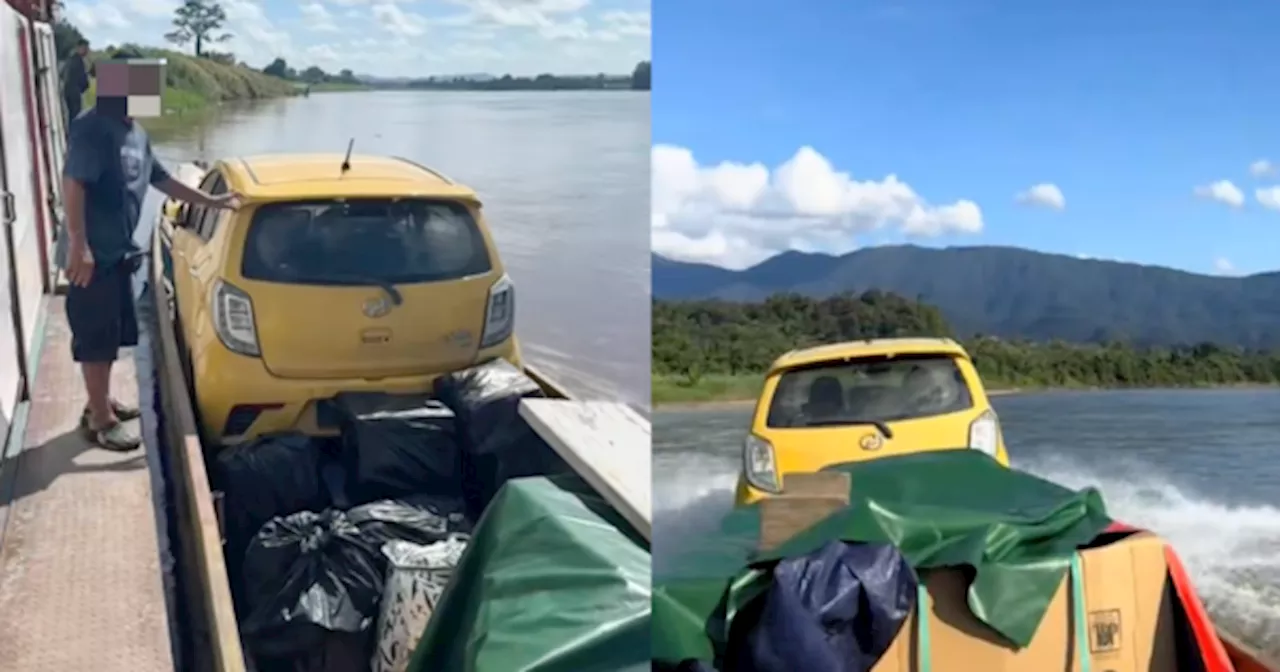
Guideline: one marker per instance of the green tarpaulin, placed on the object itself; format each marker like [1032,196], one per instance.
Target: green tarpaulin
[941,509]
[553,581]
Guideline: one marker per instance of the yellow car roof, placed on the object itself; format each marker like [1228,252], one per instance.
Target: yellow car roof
[877,347]
[301,176]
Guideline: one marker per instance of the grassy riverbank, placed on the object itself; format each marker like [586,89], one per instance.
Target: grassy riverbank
[339,87]
[711,390]
[195,86]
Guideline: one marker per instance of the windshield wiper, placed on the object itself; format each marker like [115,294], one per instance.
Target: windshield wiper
[878,424]
[330,278]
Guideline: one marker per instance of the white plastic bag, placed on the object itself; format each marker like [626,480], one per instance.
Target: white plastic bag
[416,578]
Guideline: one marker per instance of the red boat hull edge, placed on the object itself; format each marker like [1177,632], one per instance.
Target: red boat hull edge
[1220,651]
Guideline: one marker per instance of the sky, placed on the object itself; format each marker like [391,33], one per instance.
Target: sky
[1130,130]
[401,37]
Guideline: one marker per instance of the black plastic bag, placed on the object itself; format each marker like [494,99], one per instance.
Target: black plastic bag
[527,454]
[499,445]
[396,445]
[837,609]
[264,478]
[337,652]
[419,519]
[486,399]
[308,576]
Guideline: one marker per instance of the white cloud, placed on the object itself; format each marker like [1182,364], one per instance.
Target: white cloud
[735,214]
[1268,197]
[1222,191]
[1044,195]
[96,16]
[153,8]
[399,22]
[628,23]
[318,18]
[1262,168]
[1223,266]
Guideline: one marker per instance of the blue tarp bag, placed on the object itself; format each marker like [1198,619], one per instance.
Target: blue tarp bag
[834,610]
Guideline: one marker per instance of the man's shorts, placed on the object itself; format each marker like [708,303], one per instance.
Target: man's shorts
[102,316]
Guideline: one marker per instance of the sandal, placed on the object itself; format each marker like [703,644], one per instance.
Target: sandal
[116,437]
[123,413]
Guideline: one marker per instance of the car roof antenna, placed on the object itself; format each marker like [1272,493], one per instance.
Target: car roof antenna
[346,160]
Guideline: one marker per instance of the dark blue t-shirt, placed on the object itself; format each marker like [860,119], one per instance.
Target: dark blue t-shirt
[112,158]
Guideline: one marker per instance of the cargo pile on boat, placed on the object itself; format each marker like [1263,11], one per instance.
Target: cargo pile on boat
[338,548]
[936,561]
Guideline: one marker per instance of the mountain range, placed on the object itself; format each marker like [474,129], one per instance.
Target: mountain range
[1013,293]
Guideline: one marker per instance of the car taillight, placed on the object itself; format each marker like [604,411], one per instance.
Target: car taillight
[759,466]
[499,313]
[233,319]
[984,433]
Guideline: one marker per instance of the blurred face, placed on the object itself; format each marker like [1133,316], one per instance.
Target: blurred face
[130,88]
[82,49]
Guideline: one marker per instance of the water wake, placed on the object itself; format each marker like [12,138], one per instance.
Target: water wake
[1232,552]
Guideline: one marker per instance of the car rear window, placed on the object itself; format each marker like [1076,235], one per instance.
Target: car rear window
[867,390]
[363,241]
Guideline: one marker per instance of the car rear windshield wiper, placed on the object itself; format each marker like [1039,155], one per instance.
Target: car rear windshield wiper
[878,424]
[331,278]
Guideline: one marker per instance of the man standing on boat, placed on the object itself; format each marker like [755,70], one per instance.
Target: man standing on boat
[75,80]
[108,168]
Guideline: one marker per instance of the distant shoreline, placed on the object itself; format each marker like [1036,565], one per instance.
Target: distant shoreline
[740,392]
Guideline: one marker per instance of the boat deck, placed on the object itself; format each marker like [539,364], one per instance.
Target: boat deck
[81,583]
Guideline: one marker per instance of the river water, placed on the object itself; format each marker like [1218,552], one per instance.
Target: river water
[565,181]
[1200,468]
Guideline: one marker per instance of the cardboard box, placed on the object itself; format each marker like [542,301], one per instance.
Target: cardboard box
[1129,616]
[806,499]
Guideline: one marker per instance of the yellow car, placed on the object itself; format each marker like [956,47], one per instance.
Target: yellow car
[861,401]
[338,274]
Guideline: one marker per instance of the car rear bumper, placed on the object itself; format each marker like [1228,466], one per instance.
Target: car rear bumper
[237,397]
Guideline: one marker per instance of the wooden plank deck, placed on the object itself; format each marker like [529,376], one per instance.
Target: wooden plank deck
[81,584]
[608,444]
[218,644]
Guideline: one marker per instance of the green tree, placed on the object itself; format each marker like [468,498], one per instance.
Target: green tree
[640,76]
[313,75]
[65,37]
[277,68]
[694,338]
[198,22]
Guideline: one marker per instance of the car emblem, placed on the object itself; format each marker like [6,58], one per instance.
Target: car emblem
[871,442]
[377,307]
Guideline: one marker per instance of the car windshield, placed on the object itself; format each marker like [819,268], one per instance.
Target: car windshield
[366,241]
[863,391]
